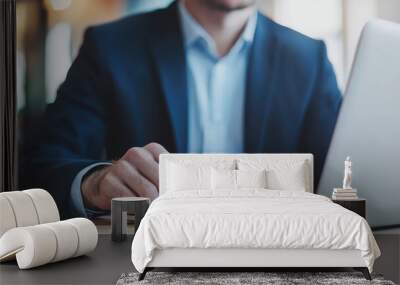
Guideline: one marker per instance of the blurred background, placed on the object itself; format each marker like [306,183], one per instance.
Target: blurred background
[49,33]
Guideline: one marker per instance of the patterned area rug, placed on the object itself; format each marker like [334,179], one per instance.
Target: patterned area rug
[273,278]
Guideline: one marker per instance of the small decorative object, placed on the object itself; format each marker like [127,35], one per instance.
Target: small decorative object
[347,174]
[120,208]
[347,192]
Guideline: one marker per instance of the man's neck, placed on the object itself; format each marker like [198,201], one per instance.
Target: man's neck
[224,27]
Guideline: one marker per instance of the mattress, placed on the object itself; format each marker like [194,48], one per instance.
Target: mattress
[250,219]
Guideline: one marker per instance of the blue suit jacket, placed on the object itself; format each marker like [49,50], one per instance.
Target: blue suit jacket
[127,87]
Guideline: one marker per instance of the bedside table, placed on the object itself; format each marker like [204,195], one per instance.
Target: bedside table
[358,206]
[120,208]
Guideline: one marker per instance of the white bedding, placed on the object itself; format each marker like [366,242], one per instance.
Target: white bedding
[251,218]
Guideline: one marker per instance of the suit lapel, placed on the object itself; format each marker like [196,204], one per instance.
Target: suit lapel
[260,86]
[167,47]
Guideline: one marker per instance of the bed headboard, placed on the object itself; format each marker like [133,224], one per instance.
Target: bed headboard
[211,158]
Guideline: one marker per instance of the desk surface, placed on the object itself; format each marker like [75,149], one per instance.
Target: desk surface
[102,266]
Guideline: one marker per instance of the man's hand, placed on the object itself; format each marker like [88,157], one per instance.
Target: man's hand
[135,174]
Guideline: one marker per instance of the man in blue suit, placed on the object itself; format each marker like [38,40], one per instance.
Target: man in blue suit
[198,76]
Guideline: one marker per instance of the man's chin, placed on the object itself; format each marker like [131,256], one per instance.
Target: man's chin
[229,5]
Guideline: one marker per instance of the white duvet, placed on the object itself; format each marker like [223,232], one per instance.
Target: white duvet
[251,218]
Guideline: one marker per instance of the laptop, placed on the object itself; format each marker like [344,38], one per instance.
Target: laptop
[368,126]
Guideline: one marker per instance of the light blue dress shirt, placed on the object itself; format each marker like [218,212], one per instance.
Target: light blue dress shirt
[216,87]
[216,95]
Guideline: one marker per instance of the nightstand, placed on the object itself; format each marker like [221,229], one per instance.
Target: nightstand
[358,206]
[120,208]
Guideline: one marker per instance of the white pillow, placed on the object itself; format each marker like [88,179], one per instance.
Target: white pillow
[251,178]
[292,179]
[223,179]
[236,179]
[186,177]
[193,174]
[281,174]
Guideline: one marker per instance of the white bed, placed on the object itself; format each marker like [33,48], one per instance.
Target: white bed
[216,224]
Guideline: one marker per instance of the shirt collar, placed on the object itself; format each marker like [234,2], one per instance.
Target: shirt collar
[193,31]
